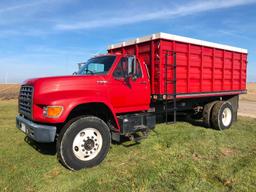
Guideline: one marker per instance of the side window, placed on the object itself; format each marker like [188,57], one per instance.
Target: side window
[121,70]
[125,68]
[131,61]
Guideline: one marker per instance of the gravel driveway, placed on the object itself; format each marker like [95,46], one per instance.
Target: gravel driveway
[247,108]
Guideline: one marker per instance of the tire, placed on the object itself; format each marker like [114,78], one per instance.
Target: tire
[222,115]
[207,113]
[83,143]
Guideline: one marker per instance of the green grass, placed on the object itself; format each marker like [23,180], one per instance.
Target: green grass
[179,157]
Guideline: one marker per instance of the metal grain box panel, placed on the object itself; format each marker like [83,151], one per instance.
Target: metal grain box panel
[202,67]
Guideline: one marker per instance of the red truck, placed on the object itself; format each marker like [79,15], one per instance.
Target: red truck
[125,92]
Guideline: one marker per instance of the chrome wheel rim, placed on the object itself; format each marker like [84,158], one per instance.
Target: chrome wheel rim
[87,144]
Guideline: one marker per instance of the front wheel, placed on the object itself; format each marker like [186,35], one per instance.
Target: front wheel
[84,143]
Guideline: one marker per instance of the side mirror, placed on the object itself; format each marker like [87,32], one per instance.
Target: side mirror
[80,65]
[133,67]
[75,73]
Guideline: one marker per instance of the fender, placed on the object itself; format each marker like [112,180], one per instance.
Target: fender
[69,103]
[72,106]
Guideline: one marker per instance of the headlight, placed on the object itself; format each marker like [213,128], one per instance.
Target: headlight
[52,111]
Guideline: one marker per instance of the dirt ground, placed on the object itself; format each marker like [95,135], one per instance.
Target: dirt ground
[247,104]
[247,108]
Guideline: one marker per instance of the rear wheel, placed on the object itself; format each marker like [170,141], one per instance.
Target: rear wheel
[222,115]
[207,113]
[84,143]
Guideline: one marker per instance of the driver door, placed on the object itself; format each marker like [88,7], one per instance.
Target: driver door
[130,88]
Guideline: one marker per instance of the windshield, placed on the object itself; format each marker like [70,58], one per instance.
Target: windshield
[97,65]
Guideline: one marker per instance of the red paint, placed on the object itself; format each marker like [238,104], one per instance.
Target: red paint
[199,68]
[120,96]
[216,72]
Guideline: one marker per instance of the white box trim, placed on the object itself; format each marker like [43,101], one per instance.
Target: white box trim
[177,38]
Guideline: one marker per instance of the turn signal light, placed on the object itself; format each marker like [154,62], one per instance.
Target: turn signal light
[52,111]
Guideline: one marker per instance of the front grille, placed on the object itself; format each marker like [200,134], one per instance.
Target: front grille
[25,100]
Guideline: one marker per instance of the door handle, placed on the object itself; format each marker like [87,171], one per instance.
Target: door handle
[143,82]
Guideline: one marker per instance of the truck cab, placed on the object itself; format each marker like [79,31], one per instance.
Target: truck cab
[94,105]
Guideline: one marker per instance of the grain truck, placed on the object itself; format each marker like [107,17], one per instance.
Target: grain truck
[124,93]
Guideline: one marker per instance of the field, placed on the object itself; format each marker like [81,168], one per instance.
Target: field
[9,91]
[251,93]
[179,157]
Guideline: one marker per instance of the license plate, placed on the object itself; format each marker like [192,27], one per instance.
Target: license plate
[23,127]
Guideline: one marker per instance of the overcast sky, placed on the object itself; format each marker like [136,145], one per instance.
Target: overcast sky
[48,37]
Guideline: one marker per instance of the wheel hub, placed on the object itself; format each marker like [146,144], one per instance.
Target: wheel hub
[87,144]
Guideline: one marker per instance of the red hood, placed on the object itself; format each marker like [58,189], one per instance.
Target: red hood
[61,79]
[49,89]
